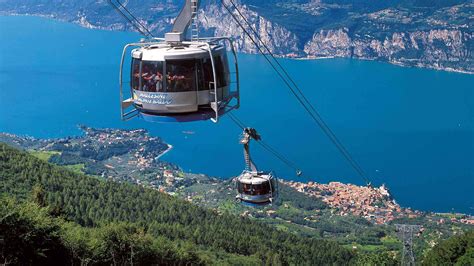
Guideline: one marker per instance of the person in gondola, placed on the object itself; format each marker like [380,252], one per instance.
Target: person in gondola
[159,81]
[248,188]
[150,80]
[171,82]
[180,83]
[149,84]
[144,78]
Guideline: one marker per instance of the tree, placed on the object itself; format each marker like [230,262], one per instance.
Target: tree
[457,250]
[38,195]
[30,235]
[120,213]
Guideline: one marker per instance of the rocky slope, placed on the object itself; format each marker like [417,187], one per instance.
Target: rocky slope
[215,19]
[434,34]
[439,49]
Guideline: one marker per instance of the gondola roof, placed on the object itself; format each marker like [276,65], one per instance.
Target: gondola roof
[252,178]
[162,51]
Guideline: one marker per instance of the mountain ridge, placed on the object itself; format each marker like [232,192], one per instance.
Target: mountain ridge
[97,202]
[91,202]
[356,217]
[404,32]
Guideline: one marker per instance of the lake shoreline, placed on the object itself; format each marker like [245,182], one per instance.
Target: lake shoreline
[380,111]
[330,192]
[84,24]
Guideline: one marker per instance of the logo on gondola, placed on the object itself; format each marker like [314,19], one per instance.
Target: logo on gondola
[154,98]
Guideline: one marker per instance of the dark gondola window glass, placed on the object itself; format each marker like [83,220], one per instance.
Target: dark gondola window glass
[180,75]
[255,190]
[262,189]
[225,63]
[201,79]
[222,70]
[240,187]
[248,189]
[207,75]
[152,76]
[135,74]
[265,188]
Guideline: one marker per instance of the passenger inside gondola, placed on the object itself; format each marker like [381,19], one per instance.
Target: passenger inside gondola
[180,83]
[257,190]
[151,77]
[148,80]
[248,189]
[159,81]
[170,84]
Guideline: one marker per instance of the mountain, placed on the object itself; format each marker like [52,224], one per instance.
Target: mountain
[356,217]
[436,34]
[105,215]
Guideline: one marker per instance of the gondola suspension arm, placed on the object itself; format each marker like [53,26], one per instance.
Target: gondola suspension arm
[266,146]
[247,136]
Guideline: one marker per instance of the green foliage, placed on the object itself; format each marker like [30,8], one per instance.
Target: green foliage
[77,168]
[38,196]
[391,243]
[44,155]
[299,200]
[467,258]
[374,259]
[29,235]
[92,203]
[123,244]
[32,236]
[66,158]
[77,163]
[457,250]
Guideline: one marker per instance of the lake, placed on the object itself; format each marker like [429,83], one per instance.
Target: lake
[412,129]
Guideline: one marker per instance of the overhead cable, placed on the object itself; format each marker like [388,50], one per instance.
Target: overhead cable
[142,29]
[295,90]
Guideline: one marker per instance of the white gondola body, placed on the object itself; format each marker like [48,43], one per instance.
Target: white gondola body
[256,187]
[187,81]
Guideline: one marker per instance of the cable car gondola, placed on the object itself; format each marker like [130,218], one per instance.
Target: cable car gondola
[253,186]
[178,80]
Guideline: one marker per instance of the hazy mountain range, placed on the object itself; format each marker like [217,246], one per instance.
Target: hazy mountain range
[427,33]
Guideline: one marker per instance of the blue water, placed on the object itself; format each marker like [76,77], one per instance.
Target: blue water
[412,129]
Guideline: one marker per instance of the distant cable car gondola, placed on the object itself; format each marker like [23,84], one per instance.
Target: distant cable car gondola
[253,186]
[178,80]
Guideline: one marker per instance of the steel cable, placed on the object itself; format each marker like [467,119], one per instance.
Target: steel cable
[296,91]
[133,20]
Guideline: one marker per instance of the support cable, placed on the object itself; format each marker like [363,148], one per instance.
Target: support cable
[136,20]
[142,29]
[295,90]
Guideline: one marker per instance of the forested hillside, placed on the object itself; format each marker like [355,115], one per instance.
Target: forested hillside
[104,215]
[458,250]
[31,235]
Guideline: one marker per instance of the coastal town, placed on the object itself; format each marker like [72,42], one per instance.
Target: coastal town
[374,204]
